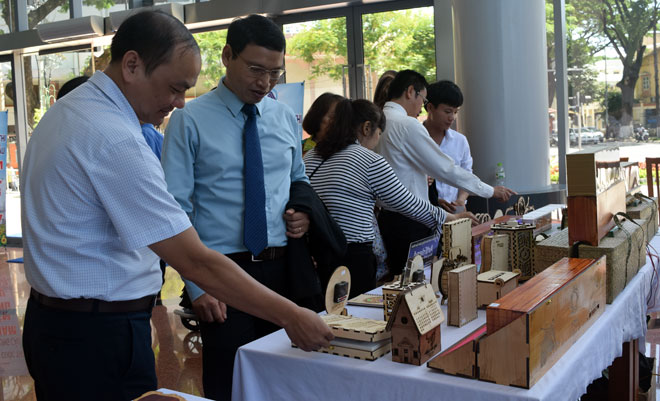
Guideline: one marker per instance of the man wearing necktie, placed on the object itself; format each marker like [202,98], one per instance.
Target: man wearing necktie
[229,159]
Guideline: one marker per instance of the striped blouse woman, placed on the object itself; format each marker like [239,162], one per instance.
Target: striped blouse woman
[349,177]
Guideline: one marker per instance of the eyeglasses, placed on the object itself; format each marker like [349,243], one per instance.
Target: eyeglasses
[258,72]
[424,99]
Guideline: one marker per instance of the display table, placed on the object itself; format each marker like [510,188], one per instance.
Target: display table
[270,369]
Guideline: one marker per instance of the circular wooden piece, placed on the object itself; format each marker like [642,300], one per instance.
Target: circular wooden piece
[499,282]
[341,274]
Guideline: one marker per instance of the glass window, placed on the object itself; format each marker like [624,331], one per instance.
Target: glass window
[103,8]
[317,55]
[397,40]
[7,16]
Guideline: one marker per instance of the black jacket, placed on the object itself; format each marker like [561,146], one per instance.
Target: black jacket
[325,242]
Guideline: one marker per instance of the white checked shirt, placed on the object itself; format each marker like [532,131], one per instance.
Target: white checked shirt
[93,199]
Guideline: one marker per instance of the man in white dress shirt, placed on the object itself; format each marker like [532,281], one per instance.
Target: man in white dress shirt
[444,100]
[414,156]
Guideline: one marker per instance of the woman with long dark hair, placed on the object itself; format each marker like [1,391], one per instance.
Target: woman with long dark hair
[318,119]
[350,178]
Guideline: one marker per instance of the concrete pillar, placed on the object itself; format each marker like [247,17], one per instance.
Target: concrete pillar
[502,70]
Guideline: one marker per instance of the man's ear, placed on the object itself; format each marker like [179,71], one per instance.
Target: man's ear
[411,92]
[227,54]
[130,65]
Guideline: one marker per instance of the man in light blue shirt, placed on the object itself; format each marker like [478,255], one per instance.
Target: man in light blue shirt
[97,216]
[204,161]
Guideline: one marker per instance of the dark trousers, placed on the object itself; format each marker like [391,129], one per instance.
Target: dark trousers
[398,232]
[88,356]
[361,262]
[220,341]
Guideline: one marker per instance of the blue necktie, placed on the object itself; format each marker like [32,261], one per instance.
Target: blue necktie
[255,235]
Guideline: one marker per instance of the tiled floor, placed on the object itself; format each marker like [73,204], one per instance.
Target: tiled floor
[177,349]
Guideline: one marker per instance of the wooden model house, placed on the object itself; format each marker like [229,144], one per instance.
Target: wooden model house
[415,326]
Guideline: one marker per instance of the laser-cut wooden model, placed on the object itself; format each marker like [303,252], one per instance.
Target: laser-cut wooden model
[415,325]
[457,239]
[493,285]
[495,253]
[391,291]
[521,246]
[462,305]
[531,327]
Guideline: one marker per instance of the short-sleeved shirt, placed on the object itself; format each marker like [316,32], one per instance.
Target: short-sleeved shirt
[456,146]
[93,199]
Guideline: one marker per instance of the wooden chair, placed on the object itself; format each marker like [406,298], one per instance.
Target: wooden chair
[652,164]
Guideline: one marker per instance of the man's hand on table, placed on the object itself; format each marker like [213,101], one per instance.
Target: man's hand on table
[308,331]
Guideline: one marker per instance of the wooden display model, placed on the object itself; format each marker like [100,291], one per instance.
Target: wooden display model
[521,246]
[493,285]
[479,231]
[354,337]
[457,239]
[531,327]
[415,326]
[158,396]
[462,306]
[596,192]
[495,253]
[391,291]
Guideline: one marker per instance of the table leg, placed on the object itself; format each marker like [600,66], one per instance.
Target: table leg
[624,374]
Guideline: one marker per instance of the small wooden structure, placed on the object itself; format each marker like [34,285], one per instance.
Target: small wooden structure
[391,291]
[521,246]
[462,306]
[531,327]
[415,326]
[595,191]
[354,337]
[493,285]
[495,253]
[457,239]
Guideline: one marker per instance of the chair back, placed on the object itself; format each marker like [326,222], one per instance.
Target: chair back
[651,171]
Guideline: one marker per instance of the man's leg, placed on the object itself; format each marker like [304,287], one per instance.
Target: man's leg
[220,341]
[82,356]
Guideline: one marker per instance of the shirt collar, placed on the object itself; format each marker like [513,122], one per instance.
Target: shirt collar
[395,108]
[233,103]
[106,85]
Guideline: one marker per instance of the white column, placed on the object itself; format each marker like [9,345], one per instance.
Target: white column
[502,70]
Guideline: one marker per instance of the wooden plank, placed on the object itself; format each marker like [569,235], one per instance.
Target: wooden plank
[503,355]
[461,358]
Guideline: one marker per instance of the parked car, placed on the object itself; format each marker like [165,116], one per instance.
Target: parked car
[554,140]
[586,136]
[598,135]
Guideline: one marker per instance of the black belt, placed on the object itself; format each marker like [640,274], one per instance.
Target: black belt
[143,304]
[265,255]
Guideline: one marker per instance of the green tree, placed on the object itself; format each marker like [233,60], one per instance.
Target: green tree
[210,46]
[625,23]
[393,40]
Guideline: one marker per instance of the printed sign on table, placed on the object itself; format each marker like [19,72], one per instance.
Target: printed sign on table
[426,247]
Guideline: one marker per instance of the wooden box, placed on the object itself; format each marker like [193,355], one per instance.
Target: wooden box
[521,246]
[531,327]
[592,171]
[415,326]
[457,239]
[481,230]
[542,217]
[590,217]
[624,257]
[495,253]
[645,208]
[462,306]
[493,285]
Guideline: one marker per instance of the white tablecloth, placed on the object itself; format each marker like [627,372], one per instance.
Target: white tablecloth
[270,369]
